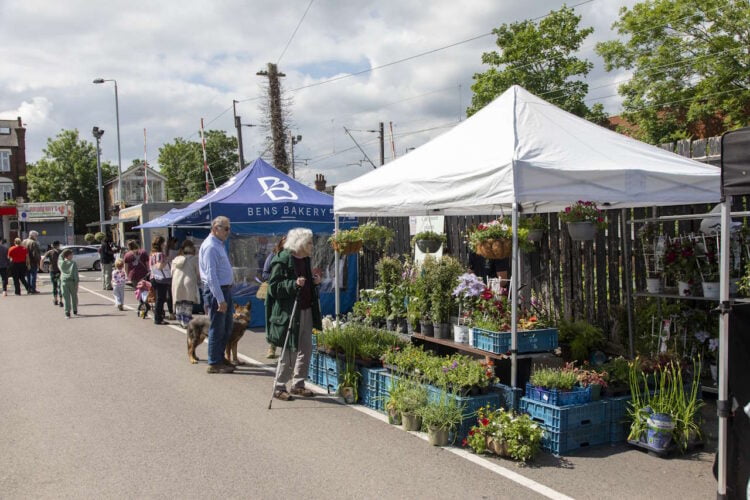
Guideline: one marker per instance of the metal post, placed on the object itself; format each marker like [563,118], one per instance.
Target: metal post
[514,302]
[628,280]
[382,146]
[98,135]
[119,154]
[291,150]
[238,124]
[337,300]
[723,406]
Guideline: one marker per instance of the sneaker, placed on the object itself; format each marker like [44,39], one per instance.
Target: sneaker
[283,396]
[55,301]
[302,391]
[171,317]
[61,303]
[75,313]
[271,354]
[5,294]
[219,369]
[35,291]
[120,308]
[67,315]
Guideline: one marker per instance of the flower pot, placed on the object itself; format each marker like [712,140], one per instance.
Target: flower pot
[437,436]
[535,235]
[659,433]
[429,246]
[497,446]
[411,422]
[683,289]
[653,285]
[427,329]
[394,417]
[461,334]
[347,248]
[495,249]
[596,392]
[581,231]
[348,394]
[711,289]
[442,330]
[390,325]
[402,326]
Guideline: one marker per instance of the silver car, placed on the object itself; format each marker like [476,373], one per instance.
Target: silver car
[86,256]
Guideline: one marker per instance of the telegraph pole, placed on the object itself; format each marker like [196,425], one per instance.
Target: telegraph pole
[382,145]
[238,124]
[280,159]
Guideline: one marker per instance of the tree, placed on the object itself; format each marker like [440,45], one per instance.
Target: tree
[182,164]
[68,172]
[690,65]
[538,57]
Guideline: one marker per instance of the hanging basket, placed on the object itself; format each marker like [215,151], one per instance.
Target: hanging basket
[581,231]
[429,246]
[535,235]
[347,248]
[495,249]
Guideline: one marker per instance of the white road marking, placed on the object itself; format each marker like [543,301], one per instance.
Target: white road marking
[482,462]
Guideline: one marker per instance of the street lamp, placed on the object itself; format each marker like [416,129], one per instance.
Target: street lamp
[119,155]
[292,141]
[238,123]
[98,133]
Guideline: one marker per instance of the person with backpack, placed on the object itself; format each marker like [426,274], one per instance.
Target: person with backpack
[107,260]
[53,255]
[35,255]
[136,263]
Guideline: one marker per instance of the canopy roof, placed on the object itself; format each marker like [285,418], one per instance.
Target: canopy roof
[524,149]
[258,195]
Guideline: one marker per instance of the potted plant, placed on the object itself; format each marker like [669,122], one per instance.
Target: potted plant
[505,433]
[680,263]
[346,241]
[536,225]
[618,370]
[408,399]
[494,239]
[375,237]
[441,416]
[99,236]
[580,338]
[557,386]
[583,219]
[466,292]
[89,238]
[348,382]
[594,379]
[707,263]
[653,254]
[428,241]
[443,276]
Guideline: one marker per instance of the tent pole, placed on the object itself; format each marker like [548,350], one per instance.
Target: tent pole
[514,301]
[337,310]
[722,405]
[628,280]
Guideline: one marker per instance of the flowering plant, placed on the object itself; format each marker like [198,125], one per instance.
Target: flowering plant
[498,229]
[679,260]
[584,211]
[467,292]
[519,436]
[587,376]
[708,262]
[708,344]
[535,221]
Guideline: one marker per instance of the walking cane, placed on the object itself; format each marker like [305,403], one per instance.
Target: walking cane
[286,340]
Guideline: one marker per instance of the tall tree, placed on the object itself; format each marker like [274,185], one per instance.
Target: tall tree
[181,163]
[539,57]
[68,172]
[690,64]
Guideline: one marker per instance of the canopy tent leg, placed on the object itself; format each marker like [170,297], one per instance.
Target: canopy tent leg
[628,280]
[337,299]
[722,405]
[514,301]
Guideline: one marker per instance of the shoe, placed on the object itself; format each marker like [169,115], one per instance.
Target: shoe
[120,308]
[55,301]
[35,291]
[302,391]
[75,313]
[61,303]
[219,369]
[160,323]
[171,317]
[67,315]
[271,354]
[229,363]
[283,396]
[5,294]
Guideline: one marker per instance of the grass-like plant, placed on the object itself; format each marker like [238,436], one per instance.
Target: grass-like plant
[554,378]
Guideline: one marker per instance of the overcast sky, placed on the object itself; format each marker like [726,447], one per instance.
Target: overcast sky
[176,62]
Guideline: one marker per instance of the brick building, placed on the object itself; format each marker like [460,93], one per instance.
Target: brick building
[12,159]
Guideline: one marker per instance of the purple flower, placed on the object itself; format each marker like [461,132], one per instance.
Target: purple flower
[713,345]
[445,369]
[702,336]
[454,365]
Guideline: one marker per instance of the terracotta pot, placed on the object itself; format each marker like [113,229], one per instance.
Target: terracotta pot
[497,446]
[495,249]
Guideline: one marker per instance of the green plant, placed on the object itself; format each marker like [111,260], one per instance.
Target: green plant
[428,235]
[408,395]
[99,237]
[441,413]
[499,229]
[345,237]
[535,221]
[374,236]
[89,237]
[554,378]
[350,378]
[618,370]
[581,336]
[366,342]
[680,261]
[584,211]
[521,436]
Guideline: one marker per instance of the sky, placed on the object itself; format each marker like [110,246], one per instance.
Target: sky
[176,62]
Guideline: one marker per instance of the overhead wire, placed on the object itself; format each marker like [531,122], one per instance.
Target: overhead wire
[294,32]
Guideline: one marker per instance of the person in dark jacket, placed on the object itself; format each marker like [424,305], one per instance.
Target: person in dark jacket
[35,254]
[271,354]
[292,281]
[107,259]
[53,255]
[4,265]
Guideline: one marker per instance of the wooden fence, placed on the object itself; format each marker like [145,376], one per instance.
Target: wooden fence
[576,280]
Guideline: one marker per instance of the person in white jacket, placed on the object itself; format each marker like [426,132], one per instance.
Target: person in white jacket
[185,282]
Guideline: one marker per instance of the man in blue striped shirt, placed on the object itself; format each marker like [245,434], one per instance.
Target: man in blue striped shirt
[216,275]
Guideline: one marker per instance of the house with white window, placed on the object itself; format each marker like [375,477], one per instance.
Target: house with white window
[12,174]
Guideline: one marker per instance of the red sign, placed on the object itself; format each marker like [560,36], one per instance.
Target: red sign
[8,211]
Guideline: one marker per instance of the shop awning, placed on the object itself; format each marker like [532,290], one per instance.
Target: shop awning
[8,211]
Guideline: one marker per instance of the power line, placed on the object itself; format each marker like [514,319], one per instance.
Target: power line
[294,32]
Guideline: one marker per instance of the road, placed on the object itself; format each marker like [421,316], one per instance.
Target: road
[106,405]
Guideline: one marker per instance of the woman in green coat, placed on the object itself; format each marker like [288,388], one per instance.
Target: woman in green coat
[292,280]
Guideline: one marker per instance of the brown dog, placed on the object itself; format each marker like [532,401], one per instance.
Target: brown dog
[197,332]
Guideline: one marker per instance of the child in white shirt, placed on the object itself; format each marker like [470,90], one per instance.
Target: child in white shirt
[118,284]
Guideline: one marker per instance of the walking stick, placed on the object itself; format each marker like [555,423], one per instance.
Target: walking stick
[286,340]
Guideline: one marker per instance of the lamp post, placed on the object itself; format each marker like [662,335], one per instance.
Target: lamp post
[98,133]
[119,155]
[238,123]
[293,139]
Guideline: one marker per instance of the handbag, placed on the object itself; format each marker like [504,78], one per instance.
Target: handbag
[262,292]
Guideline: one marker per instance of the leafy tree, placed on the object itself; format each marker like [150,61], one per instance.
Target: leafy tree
[690,65]
[540,58]
[181,163]
[68,172]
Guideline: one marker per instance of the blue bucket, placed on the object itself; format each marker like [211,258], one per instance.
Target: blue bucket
[659,433]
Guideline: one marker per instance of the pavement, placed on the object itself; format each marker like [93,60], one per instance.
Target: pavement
[106,405]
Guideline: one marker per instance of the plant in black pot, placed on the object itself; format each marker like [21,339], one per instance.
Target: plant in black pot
[375,237]
[428,241]
[535,224]
[580,338]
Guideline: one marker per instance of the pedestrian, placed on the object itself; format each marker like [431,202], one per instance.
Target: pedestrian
[216,276]
[161,279]
[136,263]
[292,281]
[107,259]
[185,279]
[69,282]
[53,256]
[19,258]
[4,265]
[119,278]
[35,255]
[271,354]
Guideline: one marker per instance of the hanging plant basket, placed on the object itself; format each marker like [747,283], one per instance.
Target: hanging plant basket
[535,235]
[495,249]
[582,231]
[347,248]
[429,246]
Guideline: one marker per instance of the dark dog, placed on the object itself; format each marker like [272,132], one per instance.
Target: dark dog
[197,332]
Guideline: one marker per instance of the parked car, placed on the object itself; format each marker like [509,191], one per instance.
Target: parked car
[86,256]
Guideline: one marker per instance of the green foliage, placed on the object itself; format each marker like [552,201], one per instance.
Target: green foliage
[89,238]
[618,370]
[99,237]
[689,64]
[181,162]
[440,279]
[584,211]
[581,336]
[535,221]
[520,436]
[442,413]
[375,237]
[541,58]
[359,340]
[554,378]
[407,395]
[67,171]
[429,235]
[499,229]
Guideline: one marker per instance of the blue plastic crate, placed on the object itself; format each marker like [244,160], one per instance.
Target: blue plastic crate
[312,372]
[576,396]
[509,397]
[368,387]
[329,362]
[528,340]
[563,418]
[617,408]
[570,441]
[618,432]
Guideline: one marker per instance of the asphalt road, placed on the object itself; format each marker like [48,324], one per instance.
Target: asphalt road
[106,405]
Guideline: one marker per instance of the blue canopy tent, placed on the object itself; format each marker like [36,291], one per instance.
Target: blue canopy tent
[263,203]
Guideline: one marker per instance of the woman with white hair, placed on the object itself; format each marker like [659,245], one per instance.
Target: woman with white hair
[292,280]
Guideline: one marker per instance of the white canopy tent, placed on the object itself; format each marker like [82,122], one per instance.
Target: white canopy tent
[523,153]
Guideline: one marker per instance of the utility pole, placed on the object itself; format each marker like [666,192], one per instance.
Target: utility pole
[237,123]
[292,141]
[382,146]
[98,133]
[280,159]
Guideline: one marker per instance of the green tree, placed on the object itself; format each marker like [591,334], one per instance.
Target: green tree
[181,162]
[690,66]
[68,172]
[539,57]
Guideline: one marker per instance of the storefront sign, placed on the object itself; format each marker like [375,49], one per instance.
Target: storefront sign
[30,211]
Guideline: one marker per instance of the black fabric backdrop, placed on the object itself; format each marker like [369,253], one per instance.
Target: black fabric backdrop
[738,436]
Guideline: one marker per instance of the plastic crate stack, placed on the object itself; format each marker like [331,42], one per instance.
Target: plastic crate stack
[386,380]
[369,394]
[312,372]
[528,340]
[617,418]
[326,373]
[570,420]
[471,405]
